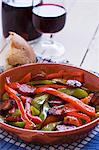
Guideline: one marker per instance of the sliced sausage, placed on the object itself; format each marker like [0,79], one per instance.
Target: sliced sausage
[26,89]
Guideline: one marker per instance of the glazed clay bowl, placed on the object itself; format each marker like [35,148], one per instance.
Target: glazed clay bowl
[53,137]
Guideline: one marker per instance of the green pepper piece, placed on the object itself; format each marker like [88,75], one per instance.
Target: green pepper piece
[97,108]
[38,101]
[17,113]
[87,90]
[19,124]
[41,82]
[44,111]
[67,91]
[50,126]
[34,111]
[79,93]
[5,96]
[62,81]
[97,114]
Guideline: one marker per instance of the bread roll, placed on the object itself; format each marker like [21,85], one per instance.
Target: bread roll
[20,52]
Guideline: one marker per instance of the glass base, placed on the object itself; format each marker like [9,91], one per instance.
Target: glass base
[34,41]
[49,49]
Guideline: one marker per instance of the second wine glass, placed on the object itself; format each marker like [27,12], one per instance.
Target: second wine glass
[49,18]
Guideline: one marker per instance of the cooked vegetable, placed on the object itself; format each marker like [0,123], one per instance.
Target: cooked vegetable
[95,98]
[43,114]
[68,108]
[35,119]
[34,111]
[49,102]
[97,114]
[72,120]
[50,126]
[39,76]
[62,81]
[41,82]
[19,124]
[5,96]
[26,78]
[79,93]
[87,99]
[16,113]
[38,101]
[97,108]
[12,93]
[63,74]
[51,119]
[74,101]
[80,116]
[67,91]
[56,86]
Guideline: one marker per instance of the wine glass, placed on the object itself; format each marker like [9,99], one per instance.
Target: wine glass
[49,18]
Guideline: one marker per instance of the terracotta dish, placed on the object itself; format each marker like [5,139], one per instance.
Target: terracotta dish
[49,137]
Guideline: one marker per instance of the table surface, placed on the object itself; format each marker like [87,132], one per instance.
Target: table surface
[80,35]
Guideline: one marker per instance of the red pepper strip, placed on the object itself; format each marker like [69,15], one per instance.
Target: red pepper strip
[55,86]
[26,78]
[79,76]
[39,76]
[72,120]
[23,98]
[69,108]
[35,119]
[14,85]
[13,94]
[51,119]
[66,75]
[80,116]
[55,75]
[74,101]
[87,99]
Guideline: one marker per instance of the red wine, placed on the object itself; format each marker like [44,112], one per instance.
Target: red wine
[49,18]
[18,18]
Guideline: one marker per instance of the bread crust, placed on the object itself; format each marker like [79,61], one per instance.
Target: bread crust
[20,52]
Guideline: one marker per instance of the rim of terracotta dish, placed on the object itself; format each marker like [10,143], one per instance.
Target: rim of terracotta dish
[51,132]
[33,64]
[54,132]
